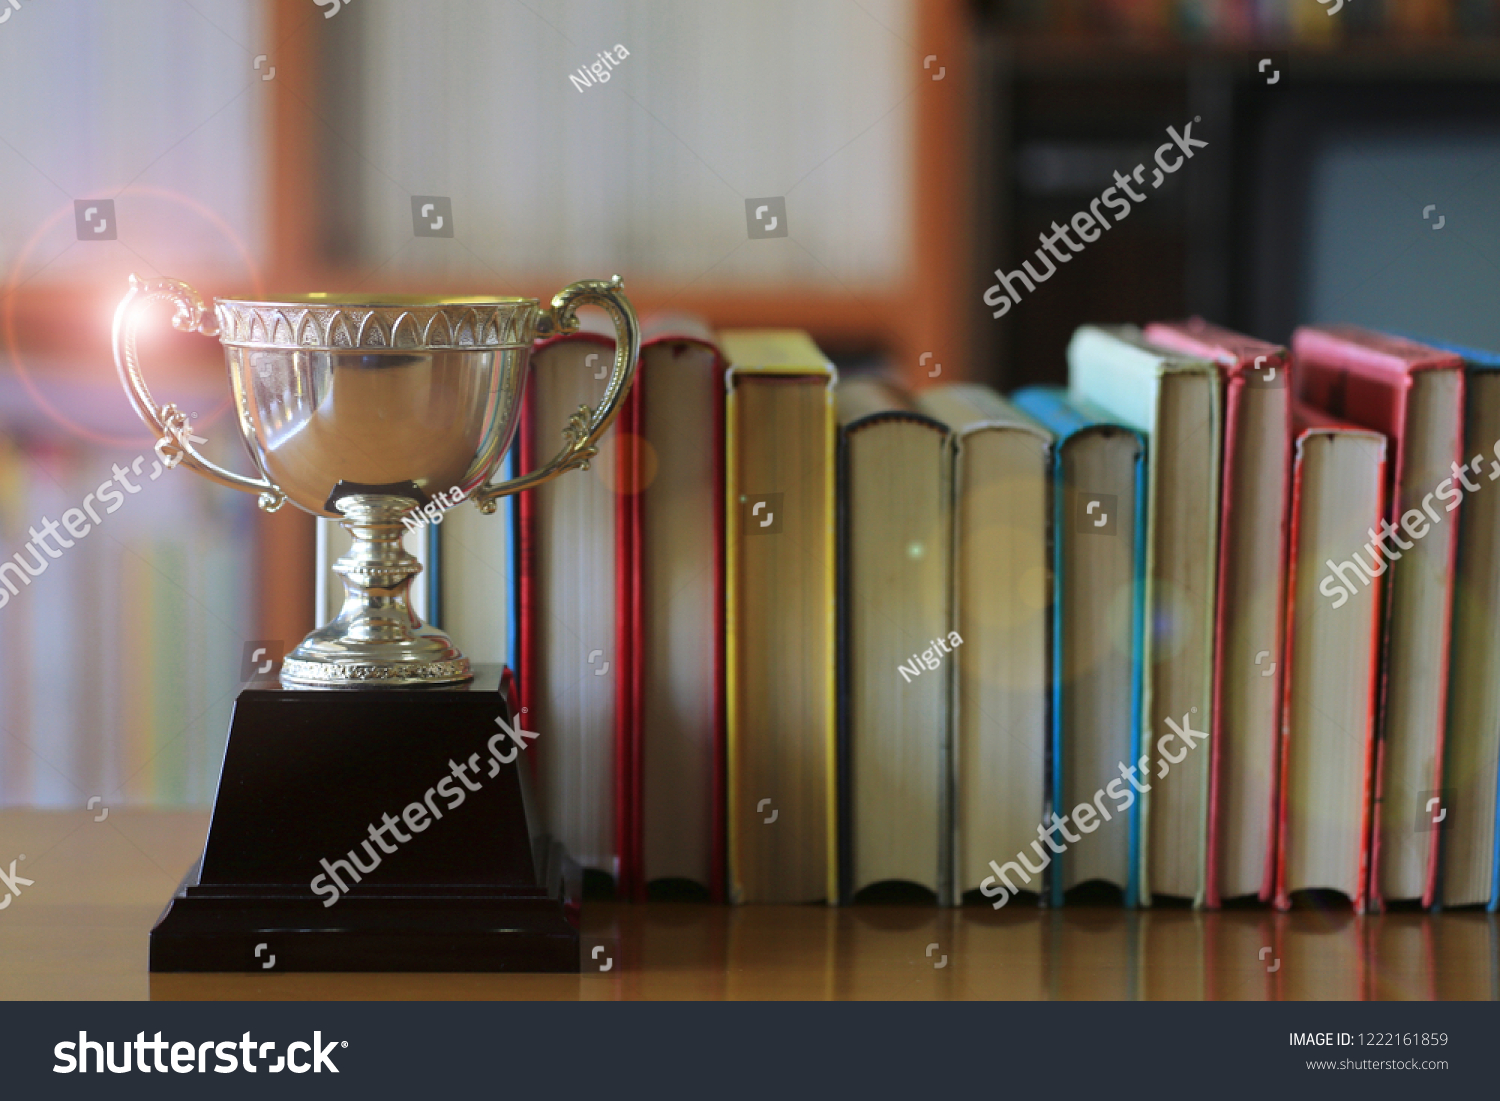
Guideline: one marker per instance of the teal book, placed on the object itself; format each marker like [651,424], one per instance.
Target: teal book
[1174,401]
[1098,608]
[1470,865]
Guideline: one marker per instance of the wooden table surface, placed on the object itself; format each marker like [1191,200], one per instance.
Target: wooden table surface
[80,932]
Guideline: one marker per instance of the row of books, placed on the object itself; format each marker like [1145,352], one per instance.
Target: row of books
[797,638]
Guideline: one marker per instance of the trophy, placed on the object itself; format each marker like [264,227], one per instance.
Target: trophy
[362,410]
[365,410]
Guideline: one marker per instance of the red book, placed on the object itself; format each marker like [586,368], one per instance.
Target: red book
[574,673]
[1414,395]
[1248,664]
[676,616]
[1325,789]
[621,604]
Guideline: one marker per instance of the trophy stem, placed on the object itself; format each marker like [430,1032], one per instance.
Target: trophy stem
[377,572]
[377,637]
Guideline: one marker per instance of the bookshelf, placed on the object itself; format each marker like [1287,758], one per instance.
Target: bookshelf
[1228,241]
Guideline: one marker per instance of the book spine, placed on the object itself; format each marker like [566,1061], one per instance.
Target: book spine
[845,805]
[1283,669]
[734,872]
[1053,662]
[1138,889]
[630,611]
[1211,621]
[1059,707]
[1369,850]
[1494,903]
[950,889]
[1280,788]
[830,671]
[511,524]
[1430,899]
[525,549]
[718,870]
[1233,405]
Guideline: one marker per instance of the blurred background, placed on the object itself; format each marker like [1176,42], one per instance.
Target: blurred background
[267,147]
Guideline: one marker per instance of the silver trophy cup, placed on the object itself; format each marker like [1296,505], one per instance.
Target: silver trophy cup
[362,410]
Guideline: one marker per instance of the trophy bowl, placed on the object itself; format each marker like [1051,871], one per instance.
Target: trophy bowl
[364,409]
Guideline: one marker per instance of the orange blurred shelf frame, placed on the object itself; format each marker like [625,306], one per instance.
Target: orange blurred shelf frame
[922,316]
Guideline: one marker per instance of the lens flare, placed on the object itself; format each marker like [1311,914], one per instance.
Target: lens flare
[7,314]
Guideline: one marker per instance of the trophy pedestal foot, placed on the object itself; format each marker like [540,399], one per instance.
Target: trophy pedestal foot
[296,673]
[339,841]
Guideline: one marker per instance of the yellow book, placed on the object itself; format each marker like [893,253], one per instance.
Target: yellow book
[779,618]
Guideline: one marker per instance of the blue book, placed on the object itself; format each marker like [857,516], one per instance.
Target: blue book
[511,535]
[1470,868]
[1099,558]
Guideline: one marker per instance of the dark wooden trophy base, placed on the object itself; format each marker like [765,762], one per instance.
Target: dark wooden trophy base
[307,774]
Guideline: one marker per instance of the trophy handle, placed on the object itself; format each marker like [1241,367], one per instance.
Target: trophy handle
[586,425]
[175,444]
